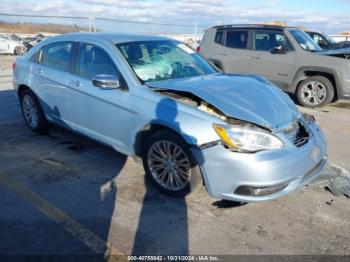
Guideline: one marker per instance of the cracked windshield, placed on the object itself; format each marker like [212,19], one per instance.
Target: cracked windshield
[163,60]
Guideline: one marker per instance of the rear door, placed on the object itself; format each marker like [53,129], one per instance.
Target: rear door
[50,69]
[235,52]
[278,68]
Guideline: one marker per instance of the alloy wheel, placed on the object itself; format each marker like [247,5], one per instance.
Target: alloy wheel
[313,93]
[30,111]
[169,165]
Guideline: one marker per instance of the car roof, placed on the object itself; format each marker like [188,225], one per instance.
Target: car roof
[314,32]
[252,26]
[112,37]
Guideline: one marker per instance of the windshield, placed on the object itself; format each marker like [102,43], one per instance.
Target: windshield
[305,41]
[13,37]
[163,60]
[329,39]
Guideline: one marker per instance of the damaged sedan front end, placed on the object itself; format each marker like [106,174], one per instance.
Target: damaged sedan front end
[248,138]
[267,148]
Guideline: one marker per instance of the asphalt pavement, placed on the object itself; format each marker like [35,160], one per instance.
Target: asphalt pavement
[62,194]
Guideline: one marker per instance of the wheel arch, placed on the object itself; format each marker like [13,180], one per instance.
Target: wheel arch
[305,72]
[145,132]
[21,88]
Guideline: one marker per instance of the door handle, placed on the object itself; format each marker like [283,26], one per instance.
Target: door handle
[37,70]
[223,54]
[74,83]
[256,57]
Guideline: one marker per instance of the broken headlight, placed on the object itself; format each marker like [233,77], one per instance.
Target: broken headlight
[246,139]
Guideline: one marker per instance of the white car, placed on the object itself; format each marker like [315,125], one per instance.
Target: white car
[8,45]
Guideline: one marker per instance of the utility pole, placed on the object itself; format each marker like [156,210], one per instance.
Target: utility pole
[94,21]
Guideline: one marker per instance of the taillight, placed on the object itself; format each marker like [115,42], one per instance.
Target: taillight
[198,49]
[14,66]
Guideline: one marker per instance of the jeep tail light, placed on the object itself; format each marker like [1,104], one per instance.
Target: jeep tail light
[198,49]
[14,66]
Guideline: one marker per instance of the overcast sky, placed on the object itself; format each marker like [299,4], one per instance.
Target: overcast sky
[330,16]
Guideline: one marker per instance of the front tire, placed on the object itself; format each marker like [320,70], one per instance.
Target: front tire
[32,112]
[315,91]
[170,165]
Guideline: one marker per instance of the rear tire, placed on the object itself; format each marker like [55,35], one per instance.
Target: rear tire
[170,165]
[32,112]
[315,91]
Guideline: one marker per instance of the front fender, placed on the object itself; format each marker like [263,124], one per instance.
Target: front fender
[300,76]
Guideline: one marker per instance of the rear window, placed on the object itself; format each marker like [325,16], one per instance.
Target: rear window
[218,37]
[35,57]
[237,39]
[58,55]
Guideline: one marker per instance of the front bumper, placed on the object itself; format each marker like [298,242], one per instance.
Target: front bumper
[264,175]
[344,92]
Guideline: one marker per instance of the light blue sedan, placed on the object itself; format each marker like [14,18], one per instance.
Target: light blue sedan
[155,98]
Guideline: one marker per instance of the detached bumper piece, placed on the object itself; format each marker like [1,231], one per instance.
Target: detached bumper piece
[259,191]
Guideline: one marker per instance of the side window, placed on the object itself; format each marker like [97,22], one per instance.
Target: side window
[267,41]
[237,39]
[36,56]
[318,39]
[218,37]
[93,60]
[58,55]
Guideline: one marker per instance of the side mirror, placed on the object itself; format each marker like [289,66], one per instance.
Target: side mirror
[106,82]
[280,50]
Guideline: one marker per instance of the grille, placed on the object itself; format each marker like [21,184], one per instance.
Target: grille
[297,134]
[302,136]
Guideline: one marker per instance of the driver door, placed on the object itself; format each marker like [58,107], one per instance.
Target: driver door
[277,67]
[98,113]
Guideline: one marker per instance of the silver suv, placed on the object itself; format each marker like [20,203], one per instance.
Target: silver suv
[287,56]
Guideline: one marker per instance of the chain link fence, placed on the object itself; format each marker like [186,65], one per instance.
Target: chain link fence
[51,24]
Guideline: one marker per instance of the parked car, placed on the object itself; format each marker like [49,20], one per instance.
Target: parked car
[29,42]
[8,45]
[155,98]
[287,56]
[326,42]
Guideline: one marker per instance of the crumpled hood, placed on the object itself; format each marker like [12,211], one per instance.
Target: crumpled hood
[344,52]
[249,98]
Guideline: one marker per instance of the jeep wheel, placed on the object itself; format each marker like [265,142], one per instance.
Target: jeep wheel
[315,91]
